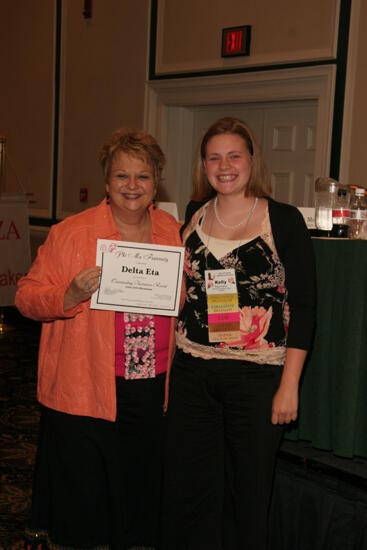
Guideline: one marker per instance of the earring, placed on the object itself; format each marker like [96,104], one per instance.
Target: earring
[154,203]
[107,198]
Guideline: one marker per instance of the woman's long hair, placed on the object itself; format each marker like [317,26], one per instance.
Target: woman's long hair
[259,182]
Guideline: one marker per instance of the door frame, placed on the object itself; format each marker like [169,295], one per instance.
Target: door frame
[181,94]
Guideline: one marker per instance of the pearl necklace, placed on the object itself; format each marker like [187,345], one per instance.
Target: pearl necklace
[246,220]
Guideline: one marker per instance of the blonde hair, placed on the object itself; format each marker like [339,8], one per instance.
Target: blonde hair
[259,182]
[137,144]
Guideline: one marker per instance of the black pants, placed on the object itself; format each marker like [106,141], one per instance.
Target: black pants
[221,450]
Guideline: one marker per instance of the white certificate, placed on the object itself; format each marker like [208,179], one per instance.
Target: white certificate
[138,277]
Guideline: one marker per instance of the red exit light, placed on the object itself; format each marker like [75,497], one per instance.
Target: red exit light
[236,41]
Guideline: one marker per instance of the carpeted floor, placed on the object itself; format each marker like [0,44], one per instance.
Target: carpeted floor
[19,416]
[336,479]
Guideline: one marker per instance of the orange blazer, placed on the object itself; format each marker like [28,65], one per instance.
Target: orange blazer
[76,370]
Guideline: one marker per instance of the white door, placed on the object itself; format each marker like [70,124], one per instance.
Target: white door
[285,130]
[288,143]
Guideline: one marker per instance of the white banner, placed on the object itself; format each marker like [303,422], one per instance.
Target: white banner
[15,258]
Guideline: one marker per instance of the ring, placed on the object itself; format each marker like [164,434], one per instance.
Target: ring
[87,287]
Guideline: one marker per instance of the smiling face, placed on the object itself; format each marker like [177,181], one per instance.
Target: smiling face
[131,184]
[227,164]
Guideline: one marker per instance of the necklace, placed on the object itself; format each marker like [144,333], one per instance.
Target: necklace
[211,225]
[246,220]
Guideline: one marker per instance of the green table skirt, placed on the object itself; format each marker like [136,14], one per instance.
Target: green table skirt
[333,393]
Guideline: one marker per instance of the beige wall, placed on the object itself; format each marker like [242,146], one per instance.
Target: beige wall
[190,32]
[26,95]
[103,72]
[357,159]
[102,83]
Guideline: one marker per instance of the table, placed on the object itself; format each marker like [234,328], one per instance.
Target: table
[333,392]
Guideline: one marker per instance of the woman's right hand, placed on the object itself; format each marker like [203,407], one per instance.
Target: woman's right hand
[81,288]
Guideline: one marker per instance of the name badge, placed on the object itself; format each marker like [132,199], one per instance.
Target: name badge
[223,310]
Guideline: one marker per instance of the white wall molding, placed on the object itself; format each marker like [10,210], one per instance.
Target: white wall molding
[281,85]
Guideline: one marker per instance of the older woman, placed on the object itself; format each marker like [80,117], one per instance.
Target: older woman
[242,339]
[101,374]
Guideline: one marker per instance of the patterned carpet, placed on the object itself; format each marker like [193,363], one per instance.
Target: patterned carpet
[19,416]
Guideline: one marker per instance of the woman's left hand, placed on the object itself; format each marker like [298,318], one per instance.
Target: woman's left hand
[285,406]
[285,401]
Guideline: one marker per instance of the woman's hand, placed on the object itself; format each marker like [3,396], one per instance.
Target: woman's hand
[285,405]
[285,400]
[82,287]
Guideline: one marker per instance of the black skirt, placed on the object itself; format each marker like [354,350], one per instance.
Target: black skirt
[97,483]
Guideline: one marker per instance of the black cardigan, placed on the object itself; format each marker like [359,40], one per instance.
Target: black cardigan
[293,243]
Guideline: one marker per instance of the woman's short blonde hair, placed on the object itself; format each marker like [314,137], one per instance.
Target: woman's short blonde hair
[259,182]
[136,143]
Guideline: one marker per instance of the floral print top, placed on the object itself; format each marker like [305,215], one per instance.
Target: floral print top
[262,296]
[141,345]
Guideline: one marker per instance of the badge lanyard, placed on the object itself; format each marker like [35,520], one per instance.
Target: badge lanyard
[222,299]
